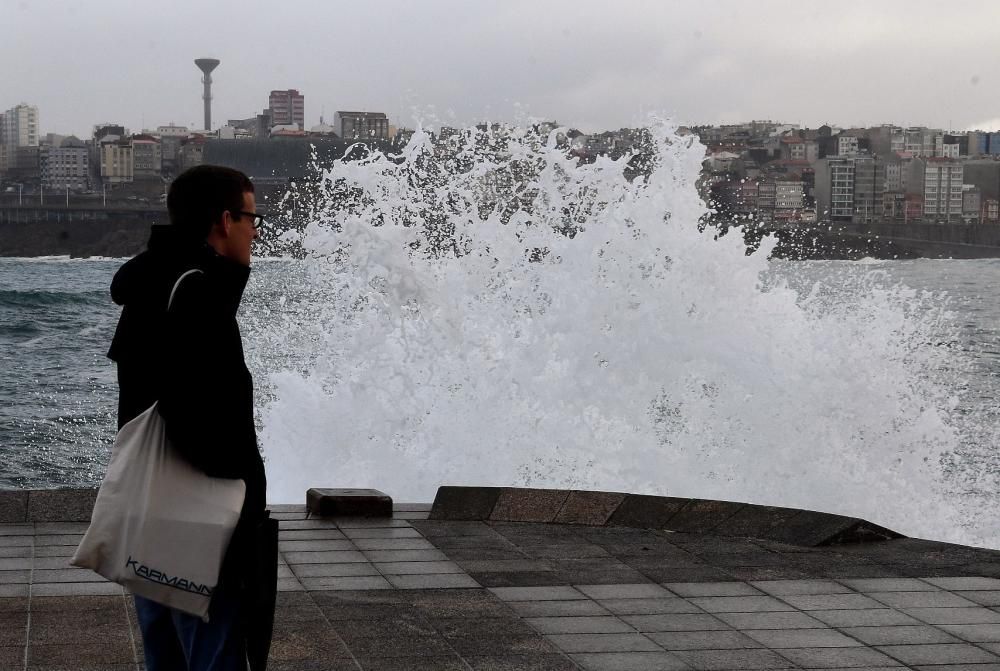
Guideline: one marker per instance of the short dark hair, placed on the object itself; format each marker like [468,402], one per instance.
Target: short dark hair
[199,196]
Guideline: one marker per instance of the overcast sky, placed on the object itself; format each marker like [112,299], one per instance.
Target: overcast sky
[593,65]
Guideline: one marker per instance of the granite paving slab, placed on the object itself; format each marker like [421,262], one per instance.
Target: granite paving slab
[411,593]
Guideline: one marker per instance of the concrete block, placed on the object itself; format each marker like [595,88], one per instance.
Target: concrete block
[590,508]
[754,521]
[646,512]
[702,517]
[528,505]
[348,503]
[61,505]
[811,529]
[464,503]
[13,506]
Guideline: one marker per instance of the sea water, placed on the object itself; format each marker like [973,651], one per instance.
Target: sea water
[499,314]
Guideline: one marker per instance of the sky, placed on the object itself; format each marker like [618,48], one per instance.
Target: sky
[587,64]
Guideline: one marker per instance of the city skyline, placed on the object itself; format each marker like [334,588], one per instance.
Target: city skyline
[591,65]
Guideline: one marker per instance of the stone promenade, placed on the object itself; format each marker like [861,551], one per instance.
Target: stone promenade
[409,593]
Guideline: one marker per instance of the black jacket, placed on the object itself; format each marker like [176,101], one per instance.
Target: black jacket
[191,361]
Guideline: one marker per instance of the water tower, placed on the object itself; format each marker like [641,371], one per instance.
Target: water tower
[206,65]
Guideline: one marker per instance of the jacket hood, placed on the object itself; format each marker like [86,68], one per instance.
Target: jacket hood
[143,285]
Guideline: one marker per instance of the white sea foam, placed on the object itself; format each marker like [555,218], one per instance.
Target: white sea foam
[637,355]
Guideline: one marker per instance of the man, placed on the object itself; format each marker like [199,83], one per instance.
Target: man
[190,359]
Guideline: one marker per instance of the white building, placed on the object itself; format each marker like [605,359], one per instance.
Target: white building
[117,166]
[66,166]
[943,179]
[847,145]
[20,126]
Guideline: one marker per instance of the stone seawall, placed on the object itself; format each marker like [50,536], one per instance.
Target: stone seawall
[120,237]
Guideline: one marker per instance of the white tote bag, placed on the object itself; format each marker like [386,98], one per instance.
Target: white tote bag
[160,527]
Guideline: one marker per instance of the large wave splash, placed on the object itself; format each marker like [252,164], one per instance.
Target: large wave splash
[499,313]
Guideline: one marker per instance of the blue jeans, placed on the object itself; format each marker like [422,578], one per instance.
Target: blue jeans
[176,641]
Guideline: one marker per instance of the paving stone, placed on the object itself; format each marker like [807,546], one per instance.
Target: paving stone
[16,552]
[392,532]
[977,615]
[801,638]
[344,523]
[901,635]
[773,620]
[520,579]
[566,551]
[937,599]
[974,633]
[365,544]
[557,608]
[457,603]
[400,646]
[324,557]
[503,565]
[649,606]
[528,505]
[333,570]
[58,539]
[431,581]
[601,570]
[789,587]
[589,508]
[739,604]
[314,545]
[603,643]
[629,661]
[15,577]
[454,528]
[832,601]
[624,591]
[696,589]
[877,617]
[76,654]
[960,583]
[712,660]
[579,625]
[834,658]
[513,662]
[945,653]
[292,584]
[345,583]
[65,575]
[491,636]
[703,640]
[888,585]
[983,598]
[646,512]
[675,622]
[548,593]
[379,556]
[437,663]
[75,589]
[13,590]
[418,567]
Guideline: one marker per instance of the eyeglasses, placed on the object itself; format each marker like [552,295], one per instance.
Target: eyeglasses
[258,219]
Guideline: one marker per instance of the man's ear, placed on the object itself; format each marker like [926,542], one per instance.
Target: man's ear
[227,223]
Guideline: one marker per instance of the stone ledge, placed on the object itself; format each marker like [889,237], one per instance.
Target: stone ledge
[702,516]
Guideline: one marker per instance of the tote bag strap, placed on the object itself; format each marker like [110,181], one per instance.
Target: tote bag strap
[173,291]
